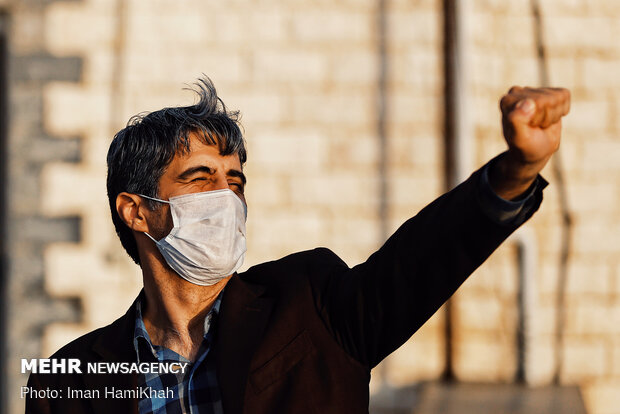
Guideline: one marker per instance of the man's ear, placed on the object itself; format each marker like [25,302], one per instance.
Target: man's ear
[130,208]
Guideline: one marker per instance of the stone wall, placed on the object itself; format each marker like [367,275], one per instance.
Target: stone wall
[305,76]
[30,147]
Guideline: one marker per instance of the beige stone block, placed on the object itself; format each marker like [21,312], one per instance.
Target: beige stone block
[73,28]
[60,182]
[408,5]
[607,8]
[95,148]
[421,152]
[547,278]
[98,67]
[593,33]
[564,70]
[351,150]
[103,307]
[155,29]
[615,359]
[230,27]
[265,189]
[337,190]
[184,67]
[566,8]
[593,318]
[292,65]
[289,151]
[602,155]
[63,103]
[361,230]
[288,231]
[270,25]
[591,197]
[66,269]
[583,360]
[487,68]
[420,358]
[98,230]
[483,313]
[357,66]
[588,276]
[482,358]
[258,108]
[346,108]
[334,26]
[522,70]
[418,67]
[540,360]
[497,7]
[600,72]
[588,114]
[418,26]
[602,396]
[27,30]
[596,236]
[409,108]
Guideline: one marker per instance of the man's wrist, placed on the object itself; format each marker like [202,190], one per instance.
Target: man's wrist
[510,177]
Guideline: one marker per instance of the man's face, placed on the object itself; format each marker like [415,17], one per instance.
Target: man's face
[201,169]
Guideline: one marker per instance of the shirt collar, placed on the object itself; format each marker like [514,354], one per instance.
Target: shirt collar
[141,332]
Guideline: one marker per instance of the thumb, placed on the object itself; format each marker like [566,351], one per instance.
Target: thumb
[524,111]
[521,116]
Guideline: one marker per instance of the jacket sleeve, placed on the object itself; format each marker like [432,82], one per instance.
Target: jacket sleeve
[376,306]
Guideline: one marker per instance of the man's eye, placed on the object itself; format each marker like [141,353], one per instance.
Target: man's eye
[238,186]
[198,179]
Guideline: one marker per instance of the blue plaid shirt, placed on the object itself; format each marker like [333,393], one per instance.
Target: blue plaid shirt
[194,391]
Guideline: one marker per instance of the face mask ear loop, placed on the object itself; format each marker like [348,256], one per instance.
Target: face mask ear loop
[154,199]
[150,237]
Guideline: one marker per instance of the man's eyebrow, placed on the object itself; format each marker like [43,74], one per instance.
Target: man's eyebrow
[193,170]
[237,173]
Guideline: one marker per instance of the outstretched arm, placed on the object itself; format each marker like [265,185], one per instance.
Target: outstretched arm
[376,306]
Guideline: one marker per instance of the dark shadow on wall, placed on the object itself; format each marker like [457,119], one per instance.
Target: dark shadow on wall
[3,189]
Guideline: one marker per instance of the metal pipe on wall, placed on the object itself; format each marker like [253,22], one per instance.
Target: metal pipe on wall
[457,131]
[459,146]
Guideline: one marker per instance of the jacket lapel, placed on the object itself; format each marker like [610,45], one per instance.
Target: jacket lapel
[241,324]
[115,344]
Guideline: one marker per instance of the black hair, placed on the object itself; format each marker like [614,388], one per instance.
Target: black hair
[140,152]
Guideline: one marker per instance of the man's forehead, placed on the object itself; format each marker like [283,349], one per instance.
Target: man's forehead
[203,155]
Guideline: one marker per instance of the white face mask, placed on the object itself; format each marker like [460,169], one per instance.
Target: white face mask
[207,242]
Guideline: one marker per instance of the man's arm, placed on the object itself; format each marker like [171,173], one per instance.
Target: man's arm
[376,306]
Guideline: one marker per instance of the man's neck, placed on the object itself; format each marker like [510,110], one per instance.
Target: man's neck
[175,310]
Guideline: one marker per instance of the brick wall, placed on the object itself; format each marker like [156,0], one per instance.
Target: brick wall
[304,74]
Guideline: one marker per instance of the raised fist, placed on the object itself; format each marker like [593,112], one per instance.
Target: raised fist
[532,122]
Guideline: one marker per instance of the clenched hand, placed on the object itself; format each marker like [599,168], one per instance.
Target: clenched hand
[532,125]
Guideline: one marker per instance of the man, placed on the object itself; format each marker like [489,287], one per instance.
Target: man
[299,334]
